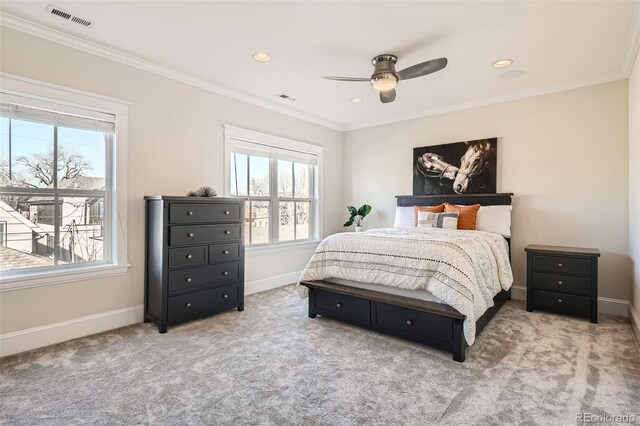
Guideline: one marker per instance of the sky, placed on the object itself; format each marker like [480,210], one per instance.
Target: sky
[30,137]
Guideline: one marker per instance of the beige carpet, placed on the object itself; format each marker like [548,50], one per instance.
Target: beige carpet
[271,364]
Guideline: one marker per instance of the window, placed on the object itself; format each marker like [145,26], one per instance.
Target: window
[59,204]
[278,178]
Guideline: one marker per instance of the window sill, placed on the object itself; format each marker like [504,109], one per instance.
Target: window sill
[39,279]
[279,248]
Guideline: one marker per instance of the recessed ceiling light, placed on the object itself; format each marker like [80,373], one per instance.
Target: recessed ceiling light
[262,57]
[356,100]
[502,63]
[510,75]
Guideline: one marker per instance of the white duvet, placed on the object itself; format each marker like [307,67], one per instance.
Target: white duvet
[465,269]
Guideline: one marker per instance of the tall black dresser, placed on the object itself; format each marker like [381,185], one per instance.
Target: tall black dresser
[194,258]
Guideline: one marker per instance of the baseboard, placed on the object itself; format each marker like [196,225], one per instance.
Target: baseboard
[606,305]
[635,322]
[265,284]
[37,337]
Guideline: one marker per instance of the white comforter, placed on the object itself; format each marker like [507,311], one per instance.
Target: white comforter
[465,269]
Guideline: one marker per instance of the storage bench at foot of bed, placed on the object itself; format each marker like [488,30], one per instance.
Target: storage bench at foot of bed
[429,323]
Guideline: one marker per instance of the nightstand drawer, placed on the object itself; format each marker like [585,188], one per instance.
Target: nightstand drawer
[559,264]
[194,213]
[561,283]
[561,302]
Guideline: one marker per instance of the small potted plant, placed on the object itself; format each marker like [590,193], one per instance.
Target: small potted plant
[357,215]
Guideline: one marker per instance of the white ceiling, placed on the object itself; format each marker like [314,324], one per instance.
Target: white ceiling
[560,45]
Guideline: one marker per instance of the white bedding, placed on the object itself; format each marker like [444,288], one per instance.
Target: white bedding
[464,269]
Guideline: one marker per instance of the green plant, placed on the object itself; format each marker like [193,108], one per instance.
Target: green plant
[357,215]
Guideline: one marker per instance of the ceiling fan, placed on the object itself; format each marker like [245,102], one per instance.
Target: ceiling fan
[385,77]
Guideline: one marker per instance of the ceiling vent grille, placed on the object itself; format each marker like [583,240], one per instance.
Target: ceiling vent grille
[67,16]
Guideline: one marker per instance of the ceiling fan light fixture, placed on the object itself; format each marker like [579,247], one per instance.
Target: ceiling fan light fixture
[384,82]
[262,57]
[502,63]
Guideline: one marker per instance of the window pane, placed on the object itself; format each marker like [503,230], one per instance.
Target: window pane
[285,179]
[82,229]
[301,172]
[81,159]
[31,160]
[287,221]
[27,242]
[260,222]
[239,175]
[302,220]
[259,176]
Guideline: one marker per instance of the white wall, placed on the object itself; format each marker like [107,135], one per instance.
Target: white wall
[563,155]
[634,192]
[175,144]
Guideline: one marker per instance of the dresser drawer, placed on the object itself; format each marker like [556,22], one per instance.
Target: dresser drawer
[188,279]
[181,235]
[220,252]
[561,302]
[561,283]
[189,256]
[413,323]
[559,264]
[343,306]
[201,301]
[197,213]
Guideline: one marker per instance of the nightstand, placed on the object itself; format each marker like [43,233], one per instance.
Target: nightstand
[563,279]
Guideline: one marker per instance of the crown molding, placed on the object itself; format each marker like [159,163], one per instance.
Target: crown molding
[633,43]
[488,101]
[41,31]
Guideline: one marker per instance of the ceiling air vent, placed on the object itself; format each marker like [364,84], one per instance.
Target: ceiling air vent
[68,16]
[285,96]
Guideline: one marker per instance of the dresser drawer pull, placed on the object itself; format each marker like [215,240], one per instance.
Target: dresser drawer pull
[225,273]
[189,256]
[227,232]
[559,282]
[225,252]
[338,305]
[188,304]
[227,212]
[188,279]
[190,234]
[409,322]
[559,265]
[226,296]
[189,213]
[559,300]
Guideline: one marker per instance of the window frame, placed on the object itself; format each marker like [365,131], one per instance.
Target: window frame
[65,100]
[238,136]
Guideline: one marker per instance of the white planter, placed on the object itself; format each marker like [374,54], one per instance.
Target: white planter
[359,228]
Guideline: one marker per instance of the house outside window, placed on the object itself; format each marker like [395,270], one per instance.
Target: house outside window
[279,180]
[58,197]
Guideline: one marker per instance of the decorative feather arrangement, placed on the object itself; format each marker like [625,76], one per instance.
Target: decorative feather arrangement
[203,191]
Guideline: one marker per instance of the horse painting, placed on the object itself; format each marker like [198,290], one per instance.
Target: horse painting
[457,168]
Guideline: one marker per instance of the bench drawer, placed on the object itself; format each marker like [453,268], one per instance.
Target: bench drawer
[343,306]
[197,213]
[562,265]
[413,323]
[201,301]
[182,235]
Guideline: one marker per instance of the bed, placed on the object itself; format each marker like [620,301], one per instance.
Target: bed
[417,314]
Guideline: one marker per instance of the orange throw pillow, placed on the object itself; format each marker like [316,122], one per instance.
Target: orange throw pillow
[432,209]
[467,217]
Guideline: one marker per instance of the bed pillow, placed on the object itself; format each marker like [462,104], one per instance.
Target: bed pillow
[405,218]
[468,215]
[438,220]
[432,209]
[495,219]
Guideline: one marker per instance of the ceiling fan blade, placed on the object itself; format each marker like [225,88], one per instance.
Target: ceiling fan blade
[388,96]
[346,78]
[423,68]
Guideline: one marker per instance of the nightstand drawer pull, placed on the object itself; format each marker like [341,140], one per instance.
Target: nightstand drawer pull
[559,282]
[188,304]
[338,305]
[559,300]
[409,322]
[559,265]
